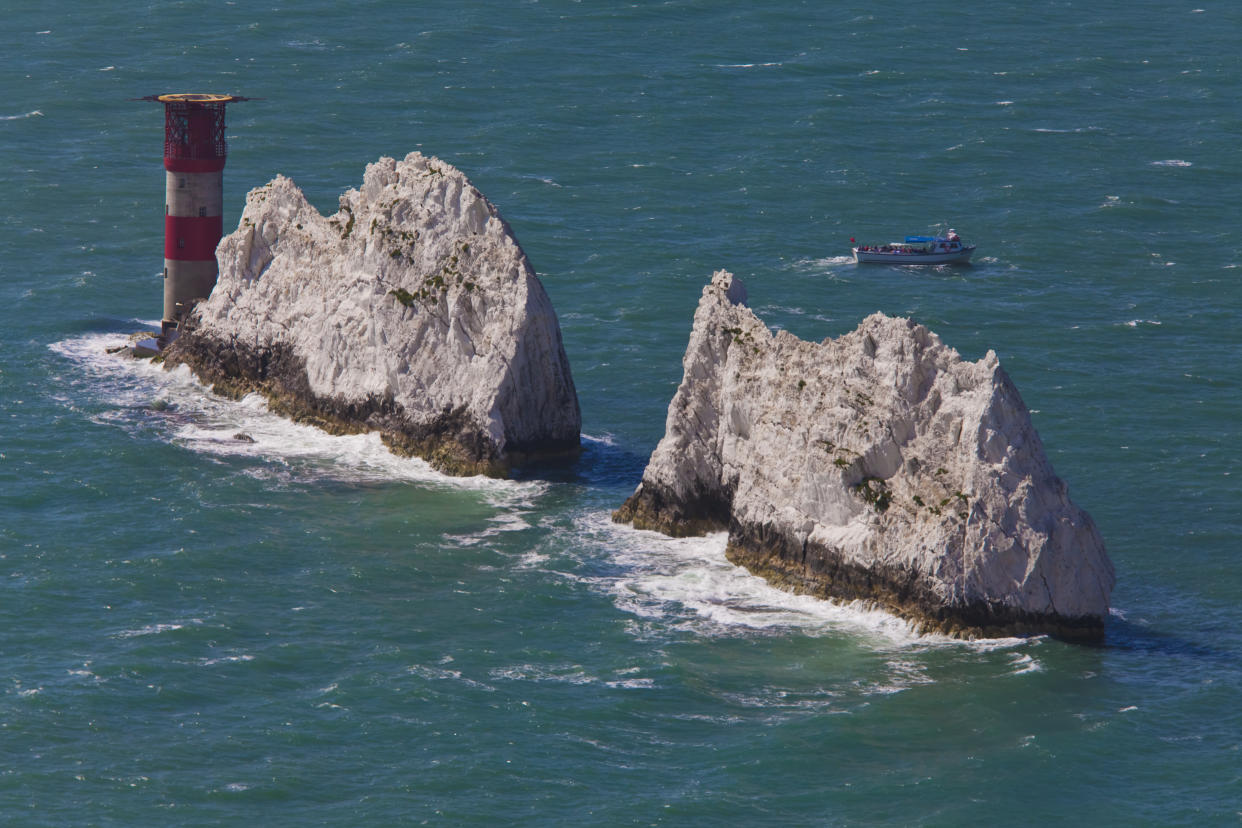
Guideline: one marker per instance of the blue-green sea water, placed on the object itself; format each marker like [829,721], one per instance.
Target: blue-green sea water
[306,630]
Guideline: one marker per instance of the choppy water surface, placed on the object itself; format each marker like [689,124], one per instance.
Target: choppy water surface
[202,629]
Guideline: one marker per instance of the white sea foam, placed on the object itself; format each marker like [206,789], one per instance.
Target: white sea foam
[138,393]
[1173,162]
[85,673]
[231,659]
[793,311]
[508,521]
[34,113]
[1074,131]
[778,702]
[156,629]
[573,674]
[437,674]
[543,179]
[671,583]
[902,675]
[1024,663]
[689,583]
[558,673]
[632,684]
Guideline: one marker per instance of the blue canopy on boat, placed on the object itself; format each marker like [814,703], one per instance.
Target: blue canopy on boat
[921,239]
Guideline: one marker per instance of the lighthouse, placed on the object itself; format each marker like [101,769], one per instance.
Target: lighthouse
[194,153]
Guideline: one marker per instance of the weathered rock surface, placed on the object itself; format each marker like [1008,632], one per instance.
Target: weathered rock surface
[412,311]
[876,466]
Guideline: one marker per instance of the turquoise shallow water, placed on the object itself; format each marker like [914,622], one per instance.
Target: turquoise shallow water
[307,630]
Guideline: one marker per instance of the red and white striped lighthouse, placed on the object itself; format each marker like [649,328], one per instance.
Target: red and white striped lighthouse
[194,154]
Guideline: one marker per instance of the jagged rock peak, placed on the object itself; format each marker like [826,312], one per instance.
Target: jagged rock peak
[878,466]
[412,311]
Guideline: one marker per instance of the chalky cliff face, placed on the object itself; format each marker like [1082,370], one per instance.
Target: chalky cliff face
[412,311]
[877,466]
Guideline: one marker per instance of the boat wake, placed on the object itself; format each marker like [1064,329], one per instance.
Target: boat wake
[829,261]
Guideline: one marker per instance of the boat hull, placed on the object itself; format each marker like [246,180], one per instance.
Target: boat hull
[951,257]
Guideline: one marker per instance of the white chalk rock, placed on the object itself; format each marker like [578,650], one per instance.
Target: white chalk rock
[413,311]
[876,466]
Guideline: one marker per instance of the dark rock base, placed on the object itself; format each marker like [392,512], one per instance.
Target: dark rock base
[451,442]
[652,508]
[812,569]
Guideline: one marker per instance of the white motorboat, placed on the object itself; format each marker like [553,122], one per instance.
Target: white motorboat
[917,250]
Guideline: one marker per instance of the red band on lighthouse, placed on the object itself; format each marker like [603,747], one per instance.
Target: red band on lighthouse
[192,238]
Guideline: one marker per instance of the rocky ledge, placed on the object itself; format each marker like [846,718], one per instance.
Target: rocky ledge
[412,311]
[879,466]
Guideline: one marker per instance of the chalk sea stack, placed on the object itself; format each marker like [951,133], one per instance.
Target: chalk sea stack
[412,311]
[877,466]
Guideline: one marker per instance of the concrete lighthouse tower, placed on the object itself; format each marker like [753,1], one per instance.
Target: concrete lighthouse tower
[194,153]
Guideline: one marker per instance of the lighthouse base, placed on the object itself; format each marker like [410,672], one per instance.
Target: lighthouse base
[186,283]
[154,345]
[146,348]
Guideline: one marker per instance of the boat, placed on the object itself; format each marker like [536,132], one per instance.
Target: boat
[917,250]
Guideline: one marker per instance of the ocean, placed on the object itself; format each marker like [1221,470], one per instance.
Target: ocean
[306,630]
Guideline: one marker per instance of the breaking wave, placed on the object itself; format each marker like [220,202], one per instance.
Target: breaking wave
[140,396]
[689,584]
